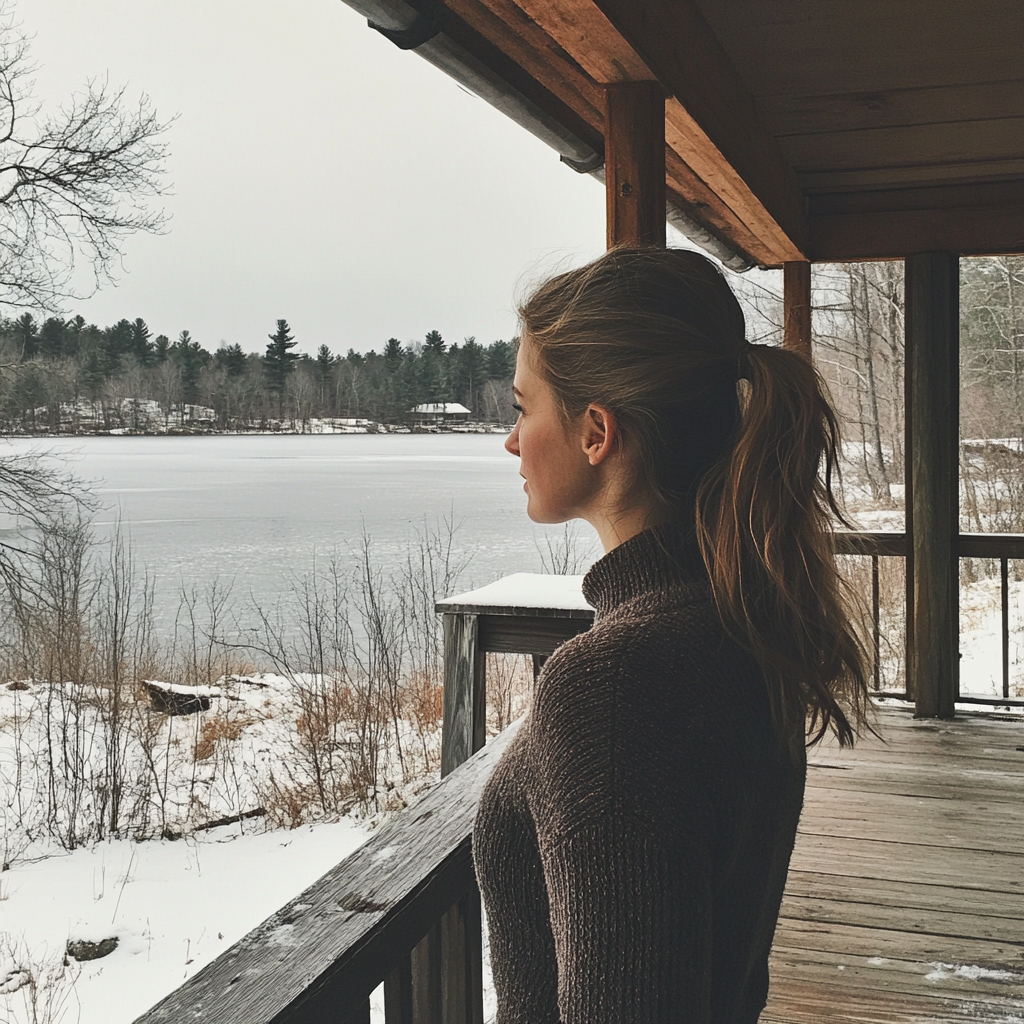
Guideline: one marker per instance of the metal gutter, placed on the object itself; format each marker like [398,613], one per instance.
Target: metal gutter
[423,32]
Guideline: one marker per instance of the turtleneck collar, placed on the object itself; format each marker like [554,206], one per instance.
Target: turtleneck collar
[652,562]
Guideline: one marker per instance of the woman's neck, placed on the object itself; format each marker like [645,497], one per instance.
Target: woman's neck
[615,528]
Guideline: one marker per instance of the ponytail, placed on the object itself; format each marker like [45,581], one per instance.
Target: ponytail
[764,525]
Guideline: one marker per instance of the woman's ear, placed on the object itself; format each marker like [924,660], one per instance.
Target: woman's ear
[600,433]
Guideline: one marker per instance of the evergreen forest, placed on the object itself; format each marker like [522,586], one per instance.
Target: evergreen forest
[68,375]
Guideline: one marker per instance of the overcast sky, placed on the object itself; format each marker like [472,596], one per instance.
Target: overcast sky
[319,174]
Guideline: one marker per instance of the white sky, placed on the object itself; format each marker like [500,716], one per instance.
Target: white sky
[319,174]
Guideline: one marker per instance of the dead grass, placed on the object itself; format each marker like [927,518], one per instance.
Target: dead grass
[219,729]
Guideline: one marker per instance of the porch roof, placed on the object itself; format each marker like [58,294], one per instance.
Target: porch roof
[824,131]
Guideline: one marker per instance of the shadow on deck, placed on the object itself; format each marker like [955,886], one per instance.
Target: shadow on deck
[905,898]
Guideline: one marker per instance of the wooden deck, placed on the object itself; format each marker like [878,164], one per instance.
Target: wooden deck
[905,900]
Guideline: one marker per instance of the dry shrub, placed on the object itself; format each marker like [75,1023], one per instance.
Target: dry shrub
[509,685]
[422,700]
[222,728]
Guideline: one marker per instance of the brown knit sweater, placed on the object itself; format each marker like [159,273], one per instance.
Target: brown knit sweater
[633,841]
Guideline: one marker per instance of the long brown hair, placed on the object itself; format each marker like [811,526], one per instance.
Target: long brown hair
[657,336]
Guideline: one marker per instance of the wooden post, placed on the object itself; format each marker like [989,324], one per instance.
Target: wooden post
[465,692]
[796,289]
[932,341]
[458,943]
[635,163]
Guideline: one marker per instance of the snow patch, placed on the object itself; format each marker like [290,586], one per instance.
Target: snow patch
[970,972]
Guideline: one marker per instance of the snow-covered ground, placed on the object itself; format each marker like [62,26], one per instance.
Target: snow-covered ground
[172,906]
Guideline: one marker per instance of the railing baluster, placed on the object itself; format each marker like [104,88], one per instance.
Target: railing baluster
[426,979]
[876,628]
[462,983]
[1004,592]
[398,993]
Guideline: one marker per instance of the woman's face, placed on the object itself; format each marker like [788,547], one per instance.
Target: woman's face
[560,481]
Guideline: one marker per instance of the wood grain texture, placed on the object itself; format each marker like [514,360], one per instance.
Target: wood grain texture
[796,291]
[714,125]
[695,148]
[326,950]
[969,231]
[888,914]
[583,30]
[894,108]
[933,335]
[464,729]
[701,203]
[508,634]
[507,26]
[794,48]
[634,170]
[971,143]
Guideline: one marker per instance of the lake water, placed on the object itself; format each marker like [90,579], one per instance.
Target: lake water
[255,509]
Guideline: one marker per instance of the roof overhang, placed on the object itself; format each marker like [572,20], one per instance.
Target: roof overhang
[827,131]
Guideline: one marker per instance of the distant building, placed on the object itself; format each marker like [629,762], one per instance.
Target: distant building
[439,412]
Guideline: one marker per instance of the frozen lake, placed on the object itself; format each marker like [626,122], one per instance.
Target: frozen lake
[256,509]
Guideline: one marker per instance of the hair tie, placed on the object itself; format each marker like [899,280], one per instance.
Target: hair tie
[743,361]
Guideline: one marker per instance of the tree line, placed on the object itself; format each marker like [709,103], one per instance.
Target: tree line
[61,374]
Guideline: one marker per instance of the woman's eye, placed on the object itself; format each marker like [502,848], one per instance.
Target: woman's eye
[518,408]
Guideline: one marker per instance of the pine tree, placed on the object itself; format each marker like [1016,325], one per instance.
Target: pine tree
[471,371]
[324,364]
[51,338]
[27,336]
[141,347]
[393,355]
[231,358]
[161,348]
[501,360]
[279,361]
[190,357]
[434,343]
[74,332]
[117,342]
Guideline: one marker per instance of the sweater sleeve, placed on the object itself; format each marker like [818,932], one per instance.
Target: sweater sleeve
[625,841]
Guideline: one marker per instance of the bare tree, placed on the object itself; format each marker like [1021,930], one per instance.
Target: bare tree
[74,183]
[34,493]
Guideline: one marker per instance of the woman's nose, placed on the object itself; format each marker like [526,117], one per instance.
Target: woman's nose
[512,441]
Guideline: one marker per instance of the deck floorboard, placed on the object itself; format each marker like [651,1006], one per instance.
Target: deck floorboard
[905,899]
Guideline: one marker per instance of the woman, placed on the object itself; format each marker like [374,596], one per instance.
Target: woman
[633,841]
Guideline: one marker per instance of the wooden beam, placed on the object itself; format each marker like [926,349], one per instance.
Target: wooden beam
[508,29]
[713,123]
[695,147]
[796,289]
[841,234]
[585,32]
[635,163]
[932,327]
[589,33]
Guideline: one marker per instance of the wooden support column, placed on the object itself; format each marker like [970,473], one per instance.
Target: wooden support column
[932,344]
[796,289]
[635,163]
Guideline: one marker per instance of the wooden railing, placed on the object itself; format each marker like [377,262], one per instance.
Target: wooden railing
[998,546]
[404,909]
